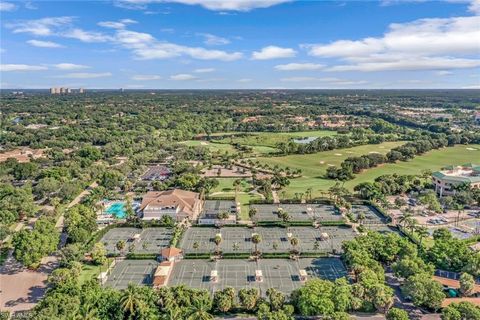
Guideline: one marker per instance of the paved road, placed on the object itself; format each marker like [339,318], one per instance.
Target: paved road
[21,288]
[402,303]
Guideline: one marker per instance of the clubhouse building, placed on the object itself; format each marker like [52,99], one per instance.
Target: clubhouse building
[177,203]
[449,177]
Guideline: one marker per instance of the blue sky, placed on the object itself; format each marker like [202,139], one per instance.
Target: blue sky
[222,44]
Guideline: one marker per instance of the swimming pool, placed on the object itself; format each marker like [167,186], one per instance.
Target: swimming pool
[117,209]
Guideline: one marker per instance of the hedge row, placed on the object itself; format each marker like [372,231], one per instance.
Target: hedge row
[235,255]
[197,256]
[337,223]
[225,198]
[141,256]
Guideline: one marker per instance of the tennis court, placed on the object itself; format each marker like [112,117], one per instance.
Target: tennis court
[381,228]
[281,274]
[312,240]
[274,239]
[138,272]
[150,240]
[370,213]
[213,207]
[233,240]
[297,212]
[324,268]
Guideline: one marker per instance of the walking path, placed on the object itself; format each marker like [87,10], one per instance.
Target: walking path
[22,288]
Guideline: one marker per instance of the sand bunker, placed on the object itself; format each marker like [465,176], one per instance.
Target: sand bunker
[322,162]
[338,154]
[471,149]
[374,152]
[203,143]
[330,165]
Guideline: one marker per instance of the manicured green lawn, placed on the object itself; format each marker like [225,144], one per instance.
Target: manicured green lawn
[226,189]
[314,165]
[91,272]
[271,139]
[222,147]
[433,160]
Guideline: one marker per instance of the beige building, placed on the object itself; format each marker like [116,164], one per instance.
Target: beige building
[178,204]
[448,178]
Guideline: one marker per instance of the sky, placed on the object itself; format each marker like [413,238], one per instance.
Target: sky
[240,44]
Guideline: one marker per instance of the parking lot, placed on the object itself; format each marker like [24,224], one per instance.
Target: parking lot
[281,274]
[150,240]
[297,212]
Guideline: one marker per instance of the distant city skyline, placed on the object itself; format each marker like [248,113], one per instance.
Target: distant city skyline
[245,44]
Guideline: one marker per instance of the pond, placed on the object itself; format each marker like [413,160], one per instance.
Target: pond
[305,140]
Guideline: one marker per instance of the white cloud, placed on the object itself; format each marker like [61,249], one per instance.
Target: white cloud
[204,70]
[70,66]
[40,27]
[436,43]
[182,77]
[299,67]
[215,5]
[56,26]
[412,64]
[474,6]
[213,40]
[44,44]
[85,75]
[30,6]
[7,6]
[146,47]
[116,24]
[474,86]
[86,36]
[21,67]
[443,73]
[146,77]
[273,52]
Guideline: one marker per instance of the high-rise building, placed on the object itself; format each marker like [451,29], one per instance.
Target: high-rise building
[81,90]
[63,90]
[69,90]
[52,90]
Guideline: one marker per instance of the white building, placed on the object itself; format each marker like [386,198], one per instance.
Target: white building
[447,179]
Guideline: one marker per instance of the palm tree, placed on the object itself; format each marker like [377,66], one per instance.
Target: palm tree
[199,310]
[294,242]
[131,301]
[422,233]
[411,224]
[402,220]
[236,184]
[86,312]
[217,240]
[196,246]
[256,239]
[361,217]
[309,193]
[120,245]
[172,313]
[252,213]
